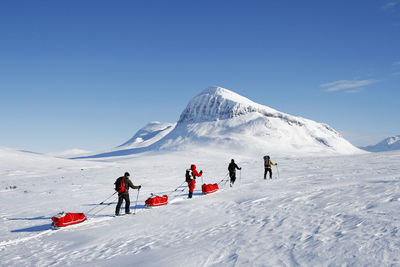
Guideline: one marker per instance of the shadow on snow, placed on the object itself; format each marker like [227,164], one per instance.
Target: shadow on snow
[38,228]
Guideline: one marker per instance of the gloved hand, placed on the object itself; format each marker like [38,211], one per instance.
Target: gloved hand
[140,186]
[201,172]
[240,168]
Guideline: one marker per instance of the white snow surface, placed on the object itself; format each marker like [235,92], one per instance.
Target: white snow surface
[15,164]
[388,144]
[69,153]
[318,211]
[220,118]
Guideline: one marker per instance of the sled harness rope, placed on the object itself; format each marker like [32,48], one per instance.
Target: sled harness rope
[101,204]
[225,179]
[178,191]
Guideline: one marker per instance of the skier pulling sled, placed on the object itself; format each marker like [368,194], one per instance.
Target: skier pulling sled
[156,201]
[232,171]
[122,185]
[191,178]
[63,219]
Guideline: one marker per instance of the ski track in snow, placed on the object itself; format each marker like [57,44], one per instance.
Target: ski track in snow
[320,212]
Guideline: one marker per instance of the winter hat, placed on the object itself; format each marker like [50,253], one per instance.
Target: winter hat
[127,174]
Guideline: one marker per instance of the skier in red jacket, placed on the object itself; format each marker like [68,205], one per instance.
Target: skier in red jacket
[191,178]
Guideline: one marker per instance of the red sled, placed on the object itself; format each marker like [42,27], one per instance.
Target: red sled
[64,219]
[209,188]
[156,201]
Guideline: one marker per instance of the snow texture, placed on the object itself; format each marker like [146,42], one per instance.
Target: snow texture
[69,153]
[317,211]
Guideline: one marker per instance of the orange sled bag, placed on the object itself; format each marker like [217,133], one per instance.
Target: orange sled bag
[156,201]
[64,219]
[209,188]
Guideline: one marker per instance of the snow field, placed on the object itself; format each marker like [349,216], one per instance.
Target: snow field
[321,211]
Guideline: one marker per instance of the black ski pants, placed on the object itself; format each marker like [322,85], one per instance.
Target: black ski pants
[121,198]
[266,172]
[232,175]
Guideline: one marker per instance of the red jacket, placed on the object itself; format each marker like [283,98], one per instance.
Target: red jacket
[194,171]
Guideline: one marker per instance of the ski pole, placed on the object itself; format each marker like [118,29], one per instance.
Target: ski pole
[134,212]
[277,170]
[101,202]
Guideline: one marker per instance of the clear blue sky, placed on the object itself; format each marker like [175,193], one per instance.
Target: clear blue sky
[89,74]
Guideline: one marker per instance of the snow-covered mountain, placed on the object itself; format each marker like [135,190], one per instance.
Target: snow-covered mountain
[225,119]
[222,119]
[389,144]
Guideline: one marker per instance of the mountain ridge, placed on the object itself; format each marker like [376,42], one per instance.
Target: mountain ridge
[388,144]
[222,119]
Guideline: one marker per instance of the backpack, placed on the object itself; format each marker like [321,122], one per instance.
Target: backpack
[188,176]
[266,161]
[231,167]
[120,184]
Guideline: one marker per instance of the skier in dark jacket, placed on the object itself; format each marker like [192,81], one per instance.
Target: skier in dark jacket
[267,167]
[124,194]
[191,178]
[232,171]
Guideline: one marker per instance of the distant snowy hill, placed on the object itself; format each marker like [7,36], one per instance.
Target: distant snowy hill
[224,120]
[389,144]
[15,163]
[69,153]
[151,133]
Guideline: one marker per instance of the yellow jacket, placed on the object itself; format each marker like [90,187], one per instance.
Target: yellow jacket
[268,166]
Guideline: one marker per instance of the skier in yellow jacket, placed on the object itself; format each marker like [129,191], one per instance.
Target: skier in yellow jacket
[267,166]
